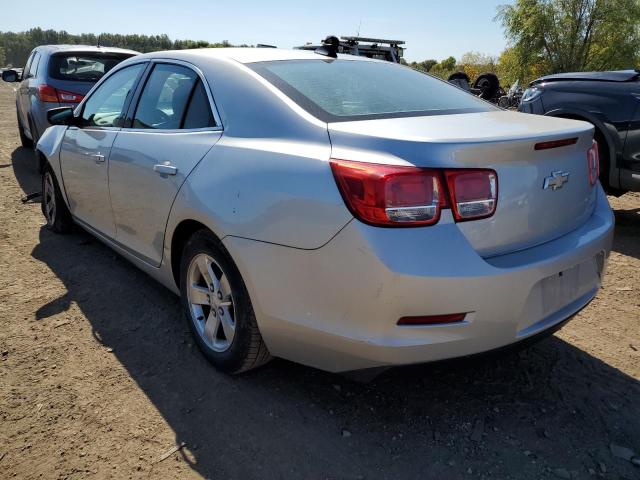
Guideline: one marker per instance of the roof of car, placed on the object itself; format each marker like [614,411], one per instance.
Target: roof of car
[613,76]
[85,48]
[248,54]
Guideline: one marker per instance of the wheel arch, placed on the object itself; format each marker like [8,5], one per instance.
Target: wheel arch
[604,131]
[179,238]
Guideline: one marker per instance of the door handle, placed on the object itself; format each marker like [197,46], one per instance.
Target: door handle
[97,158]
[163,169]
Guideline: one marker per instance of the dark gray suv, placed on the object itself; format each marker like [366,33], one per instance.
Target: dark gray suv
[608,100]
[56,76]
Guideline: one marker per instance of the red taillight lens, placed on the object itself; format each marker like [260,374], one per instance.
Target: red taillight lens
[47,93]
[69,97]
[390,195]
[474,193]
[593,162]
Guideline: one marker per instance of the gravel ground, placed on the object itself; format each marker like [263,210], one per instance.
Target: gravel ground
[99,378]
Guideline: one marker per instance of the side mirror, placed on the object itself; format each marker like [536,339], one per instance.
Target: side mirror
[61,116]
[10,76]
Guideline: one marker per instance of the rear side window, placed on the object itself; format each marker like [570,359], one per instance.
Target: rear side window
[343,90]
[199,112]
[79,67]
[173,98]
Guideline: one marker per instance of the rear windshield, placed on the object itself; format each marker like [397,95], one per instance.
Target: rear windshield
[344,90]
[80,67]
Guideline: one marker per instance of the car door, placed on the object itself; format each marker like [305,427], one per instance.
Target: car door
[84,153]
[173,127]
[23,92]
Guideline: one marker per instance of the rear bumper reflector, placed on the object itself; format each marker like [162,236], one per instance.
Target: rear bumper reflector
[433,319]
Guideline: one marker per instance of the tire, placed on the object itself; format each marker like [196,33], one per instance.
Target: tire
[459,76]
[24,140]
[54,208]
[219,311]
[488,84]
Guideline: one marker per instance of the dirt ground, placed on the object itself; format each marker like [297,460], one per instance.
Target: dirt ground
[99,378]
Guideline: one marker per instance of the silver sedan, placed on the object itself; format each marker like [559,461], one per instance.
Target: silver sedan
[344,213]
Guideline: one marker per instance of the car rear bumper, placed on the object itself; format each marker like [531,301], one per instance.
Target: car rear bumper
[337,307]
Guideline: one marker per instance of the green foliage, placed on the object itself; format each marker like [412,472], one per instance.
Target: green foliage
[17,45]
[425,65]
[549,36]
[2,56]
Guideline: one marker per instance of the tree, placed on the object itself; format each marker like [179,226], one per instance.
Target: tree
[2,56]
[475,63]
[16,46]
[549,36]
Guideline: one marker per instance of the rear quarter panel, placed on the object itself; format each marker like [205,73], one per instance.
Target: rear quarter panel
[268,178]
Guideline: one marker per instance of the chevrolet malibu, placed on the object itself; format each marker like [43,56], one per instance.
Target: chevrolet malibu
[345,213]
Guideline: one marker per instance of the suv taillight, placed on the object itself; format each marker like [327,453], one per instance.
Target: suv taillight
[389,195]
[593,163]
[46,93]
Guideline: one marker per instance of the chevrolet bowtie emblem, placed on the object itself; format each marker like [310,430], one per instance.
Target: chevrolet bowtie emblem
[556,180]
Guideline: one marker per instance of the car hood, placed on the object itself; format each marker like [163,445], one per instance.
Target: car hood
[614,76]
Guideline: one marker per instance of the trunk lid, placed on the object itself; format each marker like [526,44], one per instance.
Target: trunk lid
[527,214]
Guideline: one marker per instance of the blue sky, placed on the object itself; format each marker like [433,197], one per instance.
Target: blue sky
[432,29]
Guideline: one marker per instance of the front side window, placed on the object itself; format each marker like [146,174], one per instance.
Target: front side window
[77,67]
[33,69]
[27,67]
[105,106]
[344,90]
[164,99]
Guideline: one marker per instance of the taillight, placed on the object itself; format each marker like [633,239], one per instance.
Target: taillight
[46,93]
[389,195]
[593,163]
[474,193]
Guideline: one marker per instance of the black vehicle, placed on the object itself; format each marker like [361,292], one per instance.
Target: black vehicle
[379,48]
[608,100]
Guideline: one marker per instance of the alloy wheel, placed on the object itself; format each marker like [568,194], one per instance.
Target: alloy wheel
[49,198]
[211,302]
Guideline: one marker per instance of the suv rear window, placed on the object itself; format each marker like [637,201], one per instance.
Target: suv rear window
[344,90]
[81,67]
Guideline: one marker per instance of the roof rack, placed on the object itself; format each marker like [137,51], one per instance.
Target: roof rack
[373,40]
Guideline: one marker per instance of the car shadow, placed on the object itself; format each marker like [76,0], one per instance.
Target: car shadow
[514,415]
[25,169]
[627,236]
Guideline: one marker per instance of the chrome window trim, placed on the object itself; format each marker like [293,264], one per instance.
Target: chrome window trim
[212,105]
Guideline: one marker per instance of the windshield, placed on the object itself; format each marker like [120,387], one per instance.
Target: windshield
[81,67]
[343,90]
